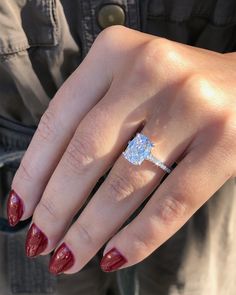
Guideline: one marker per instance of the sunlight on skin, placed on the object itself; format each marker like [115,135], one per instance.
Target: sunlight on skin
[176,95]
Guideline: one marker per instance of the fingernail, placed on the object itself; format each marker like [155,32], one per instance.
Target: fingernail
[112,260]
[61,260]
[15,208]
[36,241]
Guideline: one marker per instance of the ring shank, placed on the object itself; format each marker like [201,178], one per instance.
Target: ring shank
[158,163]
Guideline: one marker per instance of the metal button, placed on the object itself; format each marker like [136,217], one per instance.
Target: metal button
[110,15]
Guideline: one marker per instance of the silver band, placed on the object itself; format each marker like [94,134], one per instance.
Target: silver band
[139,149]
[159,163]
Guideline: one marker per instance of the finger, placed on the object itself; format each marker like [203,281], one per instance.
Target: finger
[123,191]
[190,184]
[95,145]
[56,127]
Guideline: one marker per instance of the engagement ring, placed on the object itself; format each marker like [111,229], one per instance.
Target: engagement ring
[139,149]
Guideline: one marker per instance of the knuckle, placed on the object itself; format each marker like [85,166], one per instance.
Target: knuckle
[160,49]
[171,209]
[156,57]
[141,243]
[83,232]
[88,143]
[109,41]
[196,83]
[144,66]
[119,187]
[47,128]
[199,94]
[79,154]
[200,98]
[111,34]
[199,88]
[47,208]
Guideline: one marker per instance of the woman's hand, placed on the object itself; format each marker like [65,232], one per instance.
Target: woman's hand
[182,98]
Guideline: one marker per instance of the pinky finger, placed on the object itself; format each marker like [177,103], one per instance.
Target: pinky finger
[174,202]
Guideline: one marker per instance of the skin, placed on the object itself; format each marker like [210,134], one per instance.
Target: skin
[183,98]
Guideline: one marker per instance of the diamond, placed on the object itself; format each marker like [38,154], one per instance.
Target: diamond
[138,149]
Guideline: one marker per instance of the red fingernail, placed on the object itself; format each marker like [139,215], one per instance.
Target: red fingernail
[112,260]
[61,260]
[36,241]
[15,208]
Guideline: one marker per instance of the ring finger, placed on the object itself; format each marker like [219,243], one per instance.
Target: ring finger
[92,150]
[119,196]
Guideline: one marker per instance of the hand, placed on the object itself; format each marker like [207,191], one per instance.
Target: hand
[182,98]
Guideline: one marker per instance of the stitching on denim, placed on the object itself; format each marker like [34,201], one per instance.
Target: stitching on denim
[168,18]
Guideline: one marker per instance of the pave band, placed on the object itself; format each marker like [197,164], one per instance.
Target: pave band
[159,163]
[139,149]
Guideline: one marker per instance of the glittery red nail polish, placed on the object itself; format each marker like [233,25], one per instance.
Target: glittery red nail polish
[36,241]
[15,208]
[61,260]
[112,260]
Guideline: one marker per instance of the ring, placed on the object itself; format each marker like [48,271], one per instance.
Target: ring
[139,149]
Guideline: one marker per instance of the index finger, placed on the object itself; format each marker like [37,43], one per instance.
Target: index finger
[56,127]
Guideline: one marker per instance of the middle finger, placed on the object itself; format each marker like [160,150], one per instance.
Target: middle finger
[95,145]
[118,197]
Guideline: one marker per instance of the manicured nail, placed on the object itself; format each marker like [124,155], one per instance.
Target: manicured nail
[112,260]
[36,241]
[15,208]
[61,260]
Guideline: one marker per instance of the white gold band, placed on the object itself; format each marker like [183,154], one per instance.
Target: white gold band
[159,163]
